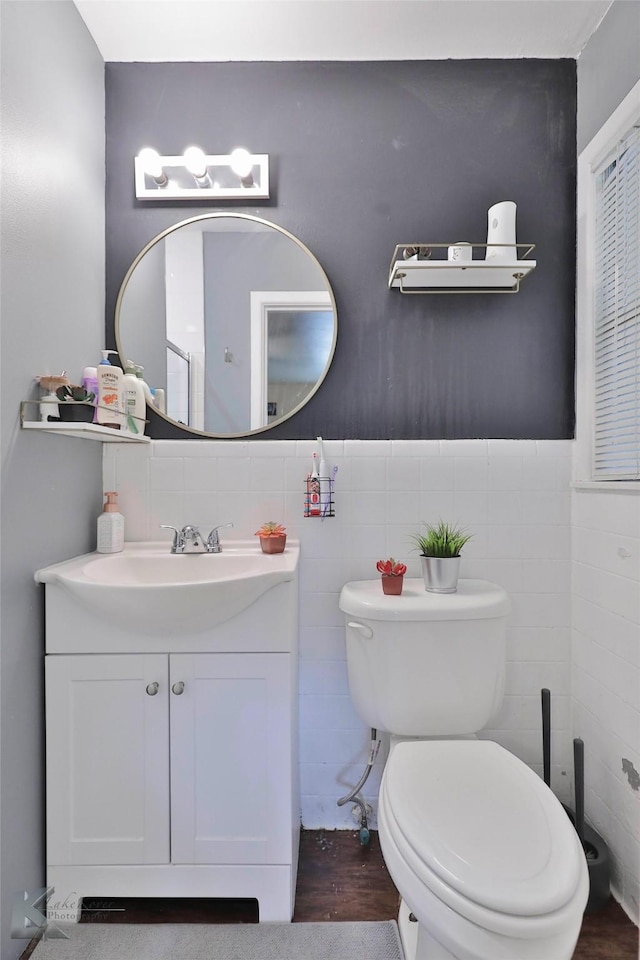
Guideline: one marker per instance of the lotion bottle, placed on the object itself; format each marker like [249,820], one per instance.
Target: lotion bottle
[110,526]
[110,409]
[136,406]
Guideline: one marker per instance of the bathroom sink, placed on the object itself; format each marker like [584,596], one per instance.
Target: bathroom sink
[160,570]
[150,589]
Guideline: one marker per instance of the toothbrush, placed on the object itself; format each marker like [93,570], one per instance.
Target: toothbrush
[314,488]
[324,477]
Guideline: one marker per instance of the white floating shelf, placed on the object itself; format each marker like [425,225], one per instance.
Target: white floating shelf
[415,276]
[86,431]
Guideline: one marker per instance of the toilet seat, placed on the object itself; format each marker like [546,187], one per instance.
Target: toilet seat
[482,832]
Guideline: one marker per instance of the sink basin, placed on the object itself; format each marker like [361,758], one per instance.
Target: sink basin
[154,591]
[159,570]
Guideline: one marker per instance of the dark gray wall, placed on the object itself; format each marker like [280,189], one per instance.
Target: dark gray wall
[608,68]
[52,247]
[364,156]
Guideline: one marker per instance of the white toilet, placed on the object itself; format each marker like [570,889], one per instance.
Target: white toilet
[486,860]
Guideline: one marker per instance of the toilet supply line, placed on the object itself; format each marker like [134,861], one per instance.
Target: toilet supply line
[364,834]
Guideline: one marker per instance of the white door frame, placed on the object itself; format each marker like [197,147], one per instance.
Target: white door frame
[261,302]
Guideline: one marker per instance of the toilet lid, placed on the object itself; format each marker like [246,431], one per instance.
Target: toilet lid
[484,823]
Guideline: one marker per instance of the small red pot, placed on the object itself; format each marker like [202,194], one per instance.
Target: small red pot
[273,544]
[392,586]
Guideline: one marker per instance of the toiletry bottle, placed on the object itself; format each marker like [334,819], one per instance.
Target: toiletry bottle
[136,406]
[159,400]
[110,393]
[90,383]
[110,526]
[145,386]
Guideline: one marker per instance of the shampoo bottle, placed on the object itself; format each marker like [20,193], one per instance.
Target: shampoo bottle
[110,393]
[110,526]
[136,406]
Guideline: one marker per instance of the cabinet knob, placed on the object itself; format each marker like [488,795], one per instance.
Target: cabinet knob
[178,688]
[152,688]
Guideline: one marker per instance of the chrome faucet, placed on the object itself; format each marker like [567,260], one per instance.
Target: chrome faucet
[213,540]
[190,540]
[187,540]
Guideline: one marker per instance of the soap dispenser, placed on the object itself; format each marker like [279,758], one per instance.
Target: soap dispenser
[110,526]
[110,409]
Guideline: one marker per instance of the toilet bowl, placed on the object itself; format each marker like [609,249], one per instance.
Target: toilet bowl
[485,859]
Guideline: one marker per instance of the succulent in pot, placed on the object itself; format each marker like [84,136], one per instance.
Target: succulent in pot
[440,547]
[76,403]
[273,537]
[392,576]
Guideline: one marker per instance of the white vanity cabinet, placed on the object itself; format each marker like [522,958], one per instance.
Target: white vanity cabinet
[172,772]
[107,759]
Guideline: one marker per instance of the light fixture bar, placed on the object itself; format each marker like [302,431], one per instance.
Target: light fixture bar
[221,181]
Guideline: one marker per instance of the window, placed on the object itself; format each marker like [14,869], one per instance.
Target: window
[608,302]
[616,443]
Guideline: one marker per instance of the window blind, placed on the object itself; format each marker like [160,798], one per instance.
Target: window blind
[617,312]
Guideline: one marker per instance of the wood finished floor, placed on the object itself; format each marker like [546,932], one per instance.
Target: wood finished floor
[338,879]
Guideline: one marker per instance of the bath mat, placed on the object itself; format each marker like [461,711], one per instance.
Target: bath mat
[376,940]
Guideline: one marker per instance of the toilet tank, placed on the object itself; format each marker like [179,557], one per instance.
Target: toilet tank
[426,664]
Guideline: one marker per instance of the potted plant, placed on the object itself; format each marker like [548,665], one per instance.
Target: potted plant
[273,537]
[392,576]
[76,403]
[440,548]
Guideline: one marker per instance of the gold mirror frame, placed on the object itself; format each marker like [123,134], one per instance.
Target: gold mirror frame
[244,217]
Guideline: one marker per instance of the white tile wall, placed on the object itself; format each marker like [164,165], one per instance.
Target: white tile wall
[606,673]
[513,495]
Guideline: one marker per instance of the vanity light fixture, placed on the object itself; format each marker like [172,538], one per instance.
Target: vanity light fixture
[242,165]
[151,164]
[196,163]
[195,175]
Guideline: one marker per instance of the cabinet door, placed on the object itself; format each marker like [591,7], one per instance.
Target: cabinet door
[107,759]
[231,758]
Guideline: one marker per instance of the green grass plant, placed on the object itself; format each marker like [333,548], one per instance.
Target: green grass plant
[442,540]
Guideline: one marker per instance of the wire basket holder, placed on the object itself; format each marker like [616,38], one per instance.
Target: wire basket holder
[318,497]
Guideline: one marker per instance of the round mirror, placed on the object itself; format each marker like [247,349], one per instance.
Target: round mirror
[233,321]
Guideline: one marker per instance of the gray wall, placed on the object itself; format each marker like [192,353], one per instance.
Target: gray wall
[143,317]
[608,68]
[234,265]
[365,156]
[52,318]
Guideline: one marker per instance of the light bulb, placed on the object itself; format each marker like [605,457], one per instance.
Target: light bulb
[152,165]
[241,163]
[195,162]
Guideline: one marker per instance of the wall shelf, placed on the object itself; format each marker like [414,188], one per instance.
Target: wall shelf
[437,275]
[86,431]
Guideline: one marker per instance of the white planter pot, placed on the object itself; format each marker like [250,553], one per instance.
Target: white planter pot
[440,574]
